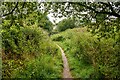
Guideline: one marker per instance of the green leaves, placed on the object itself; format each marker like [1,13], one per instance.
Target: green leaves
[66,24]
[83,47]
[43,22]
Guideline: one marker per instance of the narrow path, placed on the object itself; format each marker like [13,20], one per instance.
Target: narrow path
[66,69]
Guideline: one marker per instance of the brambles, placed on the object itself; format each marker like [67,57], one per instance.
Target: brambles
[89,57]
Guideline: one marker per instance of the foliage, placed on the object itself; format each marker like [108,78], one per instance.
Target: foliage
[44,23]
[25,43]
[44,66]
[40,67]
[15,38]
[83,48]
[65,24]
[102,14]
[25,14]
[27,48]
[101,18]
[27,51]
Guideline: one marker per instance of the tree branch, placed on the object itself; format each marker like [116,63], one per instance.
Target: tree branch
[102,12]
[23,3]
[11,11]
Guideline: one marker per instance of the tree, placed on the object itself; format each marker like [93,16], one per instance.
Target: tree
[65,24]
[25,13]
[43,22]
[17,11]
[18,19]
[104,14]
[101,18]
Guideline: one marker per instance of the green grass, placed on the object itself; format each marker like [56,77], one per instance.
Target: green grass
[78,68]
[35,55]
[87,56]
[45,66]
[66,39]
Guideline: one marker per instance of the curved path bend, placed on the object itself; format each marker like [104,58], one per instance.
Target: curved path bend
[66,69]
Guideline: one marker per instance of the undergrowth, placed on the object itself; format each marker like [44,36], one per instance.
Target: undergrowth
[28,52]
[87,56]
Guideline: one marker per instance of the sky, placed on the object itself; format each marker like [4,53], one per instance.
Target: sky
[52,19]
[51,16]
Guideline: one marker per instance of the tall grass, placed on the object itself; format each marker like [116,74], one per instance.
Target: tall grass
[88,57]
[31,54]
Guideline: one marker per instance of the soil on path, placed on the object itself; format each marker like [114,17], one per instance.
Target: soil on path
[66,69]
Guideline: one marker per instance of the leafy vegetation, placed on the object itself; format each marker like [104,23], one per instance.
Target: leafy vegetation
[65,24]
[88,57]
[45,24]
[28,51]
[102,18]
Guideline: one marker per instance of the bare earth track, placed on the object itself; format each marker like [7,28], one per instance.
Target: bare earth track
[66,69]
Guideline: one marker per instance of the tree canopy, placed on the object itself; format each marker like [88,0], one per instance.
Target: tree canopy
[102,18]
[25,38]
[66,24]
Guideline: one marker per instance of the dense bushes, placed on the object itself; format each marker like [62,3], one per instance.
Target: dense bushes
[27,52]
[108,57]
[22,40]
[102,55]
[41,67]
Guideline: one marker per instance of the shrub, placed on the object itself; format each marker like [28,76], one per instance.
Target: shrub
[103,55]
[23,40]
[42,67]
[28,52]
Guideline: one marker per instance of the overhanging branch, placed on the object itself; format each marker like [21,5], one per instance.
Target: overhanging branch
[101,12]
[11,11]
